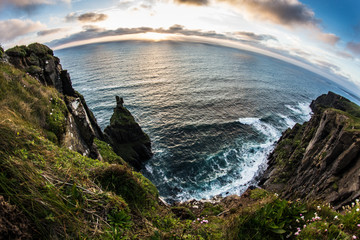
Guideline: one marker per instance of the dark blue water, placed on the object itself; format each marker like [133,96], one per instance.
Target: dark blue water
[213,113]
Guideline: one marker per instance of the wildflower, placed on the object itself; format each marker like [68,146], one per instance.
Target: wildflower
[297,233]
[276,195]
[354,237]
[336,217]
[325,230]
[357,200]
[358,225]
[357,209]
[304,226]
[352,204]
[318,208]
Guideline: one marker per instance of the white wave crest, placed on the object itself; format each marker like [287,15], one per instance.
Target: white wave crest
[303,110]
[287,120]
[263,127]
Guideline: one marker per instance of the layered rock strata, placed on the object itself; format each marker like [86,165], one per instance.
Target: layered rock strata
[319,160]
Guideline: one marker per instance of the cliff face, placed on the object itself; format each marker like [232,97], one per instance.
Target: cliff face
[319,160]
[126,136]
[80,126]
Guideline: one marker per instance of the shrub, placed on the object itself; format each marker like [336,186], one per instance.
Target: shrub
[33,70]
[17,51]
[122,181]
[274,220]
[40,49]
[107,152]
[56,120]
[1,51]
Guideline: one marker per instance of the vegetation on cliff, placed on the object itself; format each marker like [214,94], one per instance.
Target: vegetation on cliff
[50,188]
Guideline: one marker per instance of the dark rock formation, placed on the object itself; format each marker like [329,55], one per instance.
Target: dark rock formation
[81,128]
[319,160]
[126,136]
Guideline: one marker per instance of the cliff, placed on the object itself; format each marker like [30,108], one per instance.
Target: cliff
[79,127]
[72,125]
[50,188]
[319,160]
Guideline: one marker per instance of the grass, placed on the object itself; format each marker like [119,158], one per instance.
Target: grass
[17,51]
[54,186]
[107,152]
[275,218]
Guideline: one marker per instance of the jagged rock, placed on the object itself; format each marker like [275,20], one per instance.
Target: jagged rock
[319,160]
[126,136]
[81,128]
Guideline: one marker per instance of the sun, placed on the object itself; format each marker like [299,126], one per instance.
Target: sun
[153,36]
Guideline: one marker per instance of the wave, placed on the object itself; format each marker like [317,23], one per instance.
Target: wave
[261,126]
[302,110]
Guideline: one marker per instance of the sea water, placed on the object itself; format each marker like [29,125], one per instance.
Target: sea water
[213,113]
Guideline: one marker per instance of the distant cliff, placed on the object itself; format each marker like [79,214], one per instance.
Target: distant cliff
[319,160]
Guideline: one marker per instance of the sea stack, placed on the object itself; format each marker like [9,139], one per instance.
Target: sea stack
[126,136]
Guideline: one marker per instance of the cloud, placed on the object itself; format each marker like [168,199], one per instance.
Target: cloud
[344,55]
[288,13]
[354,47]
[71,17]
[49,31]
[24,3]
[327,65]
[29,5]
[193,2]
[284,12]
[92,17]
[86,17]
[328,38]
[93,32]
[14,28]
[252,36]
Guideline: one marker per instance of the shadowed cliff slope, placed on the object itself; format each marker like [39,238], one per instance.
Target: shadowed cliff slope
[320,159]
[126,136]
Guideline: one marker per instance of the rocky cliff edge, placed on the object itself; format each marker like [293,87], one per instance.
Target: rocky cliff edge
[79,127]
[320,159]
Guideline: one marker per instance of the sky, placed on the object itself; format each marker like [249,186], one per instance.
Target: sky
[321,36]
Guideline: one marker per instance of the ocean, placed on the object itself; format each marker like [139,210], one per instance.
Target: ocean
[213,113]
